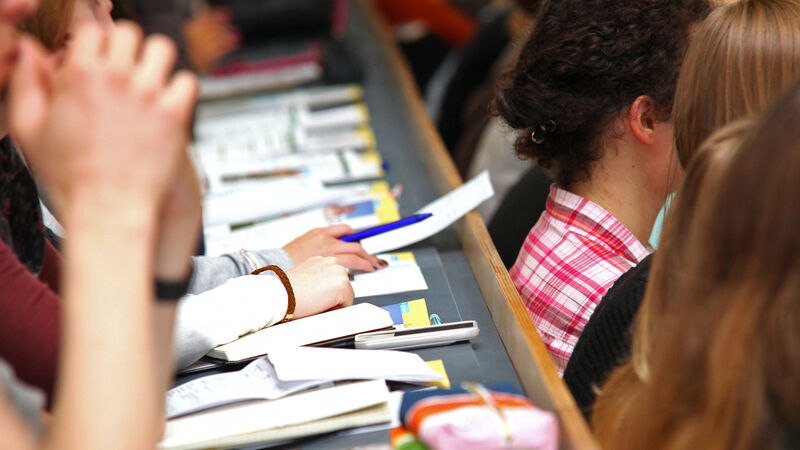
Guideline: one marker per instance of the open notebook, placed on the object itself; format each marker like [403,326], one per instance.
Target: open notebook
[323,327]
[304,414]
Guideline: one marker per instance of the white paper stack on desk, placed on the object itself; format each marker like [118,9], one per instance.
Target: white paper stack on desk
[259,176]
[283,119]
[285,416]
[311,97]
[293,369]
[274,198]
[249,82]
[376,206]
[290,392]
[339,166]
[303,414]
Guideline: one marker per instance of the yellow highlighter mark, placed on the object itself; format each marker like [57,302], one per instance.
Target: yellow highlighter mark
[404,256]
[438,366]
[415,314]
[386,209]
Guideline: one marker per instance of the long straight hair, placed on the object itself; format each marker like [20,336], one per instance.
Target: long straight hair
[742,57]
[723,359]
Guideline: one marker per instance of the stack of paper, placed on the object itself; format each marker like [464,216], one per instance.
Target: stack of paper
[312,97]
[376,207]
[343,165]
[289,370]
[286,120]
[250,151]
[302,414]
[251,203]
[256,381]
[231,85]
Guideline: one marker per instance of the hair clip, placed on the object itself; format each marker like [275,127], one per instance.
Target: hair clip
[537,136]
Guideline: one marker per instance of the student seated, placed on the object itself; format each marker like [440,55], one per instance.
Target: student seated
[225,303]
[715,359]
[81,126]
[753,48]
[591,97]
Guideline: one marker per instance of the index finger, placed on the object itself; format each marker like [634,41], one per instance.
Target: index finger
[338,230]
[84,50]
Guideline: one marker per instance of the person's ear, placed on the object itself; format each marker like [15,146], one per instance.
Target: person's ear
[642,120]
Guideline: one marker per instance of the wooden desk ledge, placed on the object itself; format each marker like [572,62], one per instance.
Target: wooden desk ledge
[528,353]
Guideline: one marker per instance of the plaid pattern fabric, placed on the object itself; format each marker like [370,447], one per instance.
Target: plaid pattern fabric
[571,257]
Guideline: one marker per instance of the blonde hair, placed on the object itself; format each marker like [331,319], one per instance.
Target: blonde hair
[51,23]
[743,56]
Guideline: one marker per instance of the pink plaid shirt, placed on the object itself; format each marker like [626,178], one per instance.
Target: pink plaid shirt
[571,257]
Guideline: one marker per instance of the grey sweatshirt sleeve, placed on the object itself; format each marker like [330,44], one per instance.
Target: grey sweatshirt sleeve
[28,400]
[212,271]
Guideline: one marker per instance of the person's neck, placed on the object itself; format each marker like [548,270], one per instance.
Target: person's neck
[616,185]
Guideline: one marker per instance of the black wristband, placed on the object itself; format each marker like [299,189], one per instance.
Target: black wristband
[170,291]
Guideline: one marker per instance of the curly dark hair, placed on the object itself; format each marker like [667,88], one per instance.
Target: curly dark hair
[585,61]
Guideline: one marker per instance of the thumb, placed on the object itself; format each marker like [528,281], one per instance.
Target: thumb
[338,230]
[29,91]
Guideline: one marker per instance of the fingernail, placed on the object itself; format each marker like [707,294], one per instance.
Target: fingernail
[383,263]
[375,267]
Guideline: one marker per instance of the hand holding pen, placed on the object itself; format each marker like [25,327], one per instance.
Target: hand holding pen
[369,232]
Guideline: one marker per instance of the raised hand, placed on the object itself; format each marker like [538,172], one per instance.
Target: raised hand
[210,35]
[111,122]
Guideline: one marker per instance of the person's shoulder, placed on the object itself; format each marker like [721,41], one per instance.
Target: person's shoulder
[627,292]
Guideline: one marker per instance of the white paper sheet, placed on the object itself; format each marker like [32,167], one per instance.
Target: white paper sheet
[203,428]
[322,327]
[261,124]
[274,198]
[344,165]
[314,97]
[446,210]
[245,83]
[256,381]
[402,275]
[304,363]
[357,212]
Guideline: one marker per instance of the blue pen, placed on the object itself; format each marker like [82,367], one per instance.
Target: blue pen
[355,237]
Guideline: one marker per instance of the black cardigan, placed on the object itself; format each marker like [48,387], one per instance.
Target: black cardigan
[605,342]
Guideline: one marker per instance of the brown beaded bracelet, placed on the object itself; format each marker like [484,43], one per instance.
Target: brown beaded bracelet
[286,284]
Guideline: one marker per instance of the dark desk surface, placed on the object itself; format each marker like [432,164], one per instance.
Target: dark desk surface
[466,278]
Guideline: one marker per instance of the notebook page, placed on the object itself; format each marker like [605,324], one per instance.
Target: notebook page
[190,431]
[309,330]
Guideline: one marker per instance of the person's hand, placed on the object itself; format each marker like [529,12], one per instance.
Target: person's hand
[325,242]
[209,36]
[319,284]
[110,124]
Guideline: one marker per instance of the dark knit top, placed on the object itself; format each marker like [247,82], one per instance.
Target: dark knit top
[605,342]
